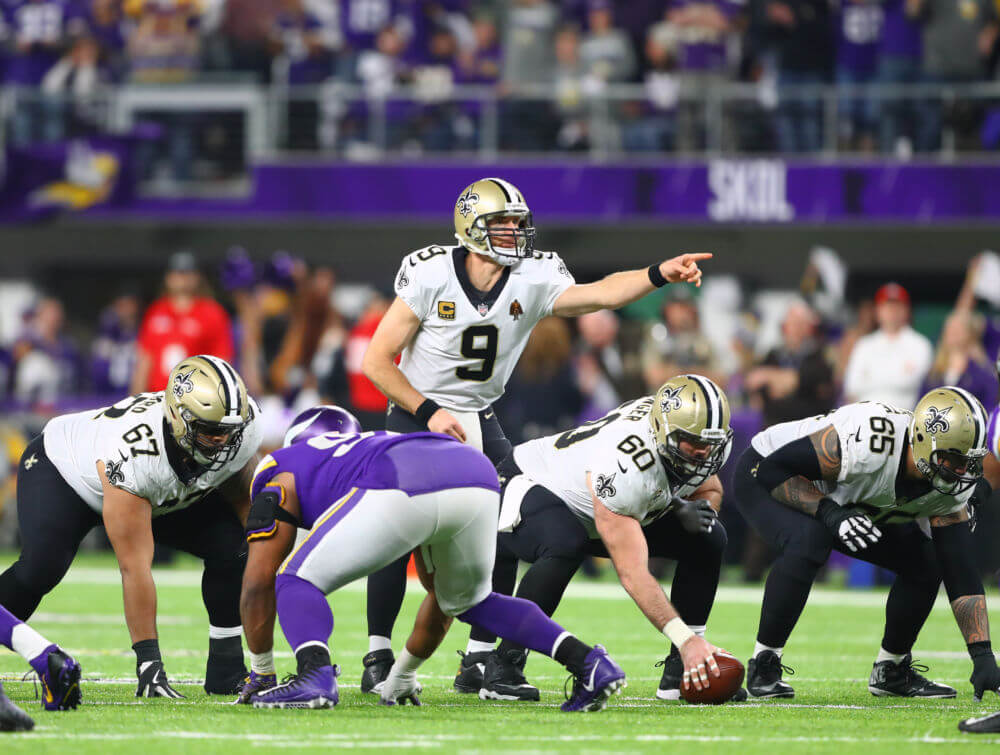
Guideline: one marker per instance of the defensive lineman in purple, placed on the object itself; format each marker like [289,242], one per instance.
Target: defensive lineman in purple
[367,500]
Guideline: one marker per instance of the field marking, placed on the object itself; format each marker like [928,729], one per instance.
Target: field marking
[578,589]
[369,740]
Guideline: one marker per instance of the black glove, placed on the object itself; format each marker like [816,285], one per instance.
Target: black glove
[153,681]
[850,525]
[985,674]
[696,516]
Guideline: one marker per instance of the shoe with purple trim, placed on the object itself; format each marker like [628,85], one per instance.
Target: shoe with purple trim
[60,677]
[601,678]
[255,683]
[315,687]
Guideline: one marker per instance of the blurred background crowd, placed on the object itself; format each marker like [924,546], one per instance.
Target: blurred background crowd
[628,75]
[298,333]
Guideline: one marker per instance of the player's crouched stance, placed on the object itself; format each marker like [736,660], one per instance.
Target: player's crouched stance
[57,671]
[883,485]
[391,494]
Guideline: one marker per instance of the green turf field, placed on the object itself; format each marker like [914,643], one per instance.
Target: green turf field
[832,651]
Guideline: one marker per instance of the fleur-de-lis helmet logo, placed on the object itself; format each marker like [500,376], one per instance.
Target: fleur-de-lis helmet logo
[671,399]
[183,384]
[937,420]
[466,202]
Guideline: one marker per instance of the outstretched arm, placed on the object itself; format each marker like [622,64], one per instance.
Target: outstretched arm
[619,289]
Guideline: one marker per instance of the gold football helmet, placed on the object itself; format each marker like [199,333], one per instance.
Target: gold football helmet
[691,408]
[948,439]
[207,408]
[488,199]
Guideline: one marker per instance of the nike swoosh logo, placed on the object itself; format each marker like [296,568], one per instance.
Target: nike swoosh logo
[590,687]
[622,468]
[488,416]
[857,436]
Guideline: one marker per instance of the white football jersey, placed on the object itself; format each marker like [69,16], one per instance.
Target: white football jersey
[873,438]
[129,438]
[619,452]
[466,347]
[993,433]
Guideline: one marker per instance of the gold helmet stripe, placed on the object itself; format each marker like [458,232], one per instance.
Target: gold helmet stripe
[711,401]
[977,411]
[229,385]
[509,190]
[504,189]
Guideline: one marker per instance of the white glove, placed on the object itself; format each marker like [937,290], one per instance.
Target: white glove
[400,687]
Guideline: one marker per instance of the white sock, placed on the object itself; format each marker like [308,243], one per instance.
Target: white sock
[698,630]
[27,643]
[223,633]
[313,643]
[377,642]
[479,647]
[408,663]
[885,655]
[262,663]
[758,649]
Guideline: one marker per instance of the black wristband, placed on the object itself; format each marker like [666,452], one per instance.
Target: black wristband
[656,277]
[426,410]
[147,650]
[823,507]
[979,649]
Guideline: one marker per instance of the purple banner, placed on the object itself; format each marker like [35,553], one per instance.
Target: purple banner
[719,191]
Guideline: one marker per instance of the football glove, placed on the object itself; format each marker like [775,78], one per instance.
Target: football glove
[985,674]
[850,525]
[153,681]
[253,684]
[401,687]
[696,516]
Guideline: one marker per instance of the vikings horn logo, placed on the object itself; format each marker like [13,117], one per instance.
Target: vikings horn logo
[937,420]
[671,399]
[183,384]
[604,487]
[466,202]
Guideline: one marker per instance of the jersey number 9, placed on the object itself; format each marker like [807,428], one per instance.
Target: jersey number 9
[478,342]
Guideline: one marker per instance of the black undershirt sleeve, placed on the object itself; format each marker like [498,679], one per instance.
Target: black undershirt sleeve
[795,459]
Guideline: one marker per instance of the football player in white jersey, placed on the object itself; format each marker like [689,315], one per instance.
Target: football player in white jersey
[640,481]
[884,485]
[461,318]
[172,467]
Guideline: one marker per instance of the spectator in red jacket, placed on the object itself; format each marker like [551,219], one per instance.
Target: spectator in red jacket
[182,322]
[367,401]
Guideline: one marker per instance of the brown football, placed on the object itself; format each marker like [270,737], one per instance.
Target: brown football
[720,689]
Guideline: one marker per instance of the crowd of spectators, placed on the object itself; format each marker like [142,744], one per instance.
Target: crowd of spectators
[297,335]
[61,52]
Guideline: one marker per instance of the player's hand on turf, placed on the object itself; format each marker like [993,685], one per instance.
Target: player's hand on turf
[442,422]
[153,681]
[400,688]
[699,663]
[696,516]
[985,675]
[684,268]
[851,526]
[255,683]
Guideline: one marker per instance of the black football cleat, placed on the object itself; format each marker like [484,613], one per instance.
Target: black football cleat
[903,679]
[504,679]
[377,665]
[469,679]
[225,675]
[13,718]
[984,725]
[764,677]
[670,681]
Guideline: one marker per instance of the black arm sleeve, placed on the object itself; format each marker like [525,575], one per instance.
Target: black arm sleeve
[955,550]
[795,459]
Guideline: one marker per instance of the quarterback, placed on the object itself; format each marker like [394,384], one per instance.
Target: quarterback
[172,467]
[640,481]
[890,487]
[368,498]
[460,320]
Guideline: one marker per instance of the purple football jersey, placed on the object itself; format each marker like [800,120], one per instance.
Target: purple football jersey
[328,467]
[859,33]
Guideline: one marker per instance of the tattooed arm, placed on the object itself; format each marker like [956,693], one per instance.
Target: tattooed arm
[791,471]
